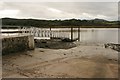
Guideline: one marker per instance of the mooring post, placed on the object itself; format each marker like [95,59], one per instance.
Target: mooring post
[78,33]
[71,33]
[50,33]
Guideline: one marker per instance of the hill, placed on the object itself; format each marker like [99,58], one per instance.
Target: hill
[94,23]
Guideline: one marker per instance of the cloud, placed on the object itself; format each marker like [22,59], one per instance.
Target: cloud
[62,10]
[54,10]
[61,0]
[9,13]
[90,16]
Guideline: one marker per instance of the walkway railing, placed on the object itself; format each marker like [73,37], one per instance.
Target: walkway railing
[70,33]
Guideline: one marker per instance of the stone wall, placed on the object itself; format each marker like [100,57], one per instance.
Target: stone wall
[17,44]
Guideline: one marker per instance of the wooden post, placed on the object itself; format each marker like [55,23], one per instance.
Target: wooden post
[71,33]
[50,33]
[78,33]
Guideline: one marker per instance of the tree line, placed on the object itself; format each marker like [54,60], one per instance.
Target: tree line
[59,23]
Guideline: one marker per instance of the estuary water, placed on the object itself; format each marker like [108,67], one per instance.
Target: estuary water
[100,35]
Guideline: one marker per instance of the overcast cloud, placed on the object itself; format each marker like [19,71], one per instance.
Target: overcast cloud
[60,10]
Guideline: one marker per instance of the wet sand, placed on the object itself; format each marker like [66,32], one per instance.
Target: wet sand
[83,61]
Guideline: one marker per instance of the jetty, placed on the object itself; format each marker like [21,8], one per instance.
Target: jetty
[22,38]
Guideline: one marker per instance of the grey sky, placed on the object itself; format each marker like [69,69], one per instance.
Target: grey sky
[60,10]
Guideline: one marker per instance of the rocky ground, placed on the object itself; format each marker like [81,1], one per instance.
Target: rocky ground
[113,46]
[83,61]
[54,44]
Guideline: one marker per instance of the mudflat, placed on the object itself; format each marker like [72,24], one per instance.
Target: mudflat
[82,61]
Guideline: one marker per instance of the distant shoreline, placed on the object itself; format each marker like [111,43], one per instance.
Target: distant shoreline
[16,26]
[68,23]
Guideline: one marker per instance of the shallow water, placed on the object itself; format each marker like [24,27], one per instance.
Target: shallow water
[100,35]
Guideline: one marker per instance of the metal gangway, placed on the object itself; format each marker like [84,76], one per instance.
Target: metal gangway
[46,33]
